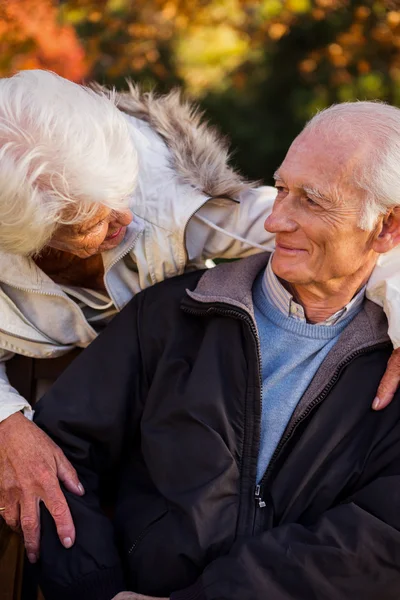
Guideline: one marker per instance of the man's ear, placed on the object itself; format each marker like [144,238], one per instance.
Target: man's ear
[388,234]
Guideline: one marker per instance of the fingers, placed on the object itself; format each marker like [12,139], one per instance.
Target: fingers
[58,508]
[30,520]
[30,524]
[67,474]
[389,383]
[132,596]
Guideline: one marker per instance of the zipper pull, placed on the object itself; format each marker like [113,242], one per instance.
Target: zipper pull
[258,498]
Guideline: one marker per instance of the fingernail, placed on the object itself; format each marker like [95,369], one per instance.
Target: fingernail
[67,542]
[376,403]
[32,558]
[81,488]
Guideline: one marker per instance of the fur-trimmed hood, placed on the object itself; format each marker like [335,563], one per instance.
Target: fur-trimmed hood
[199,153]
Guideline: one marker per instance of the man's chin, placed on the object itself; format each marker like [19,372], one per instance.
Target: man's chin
[292,271]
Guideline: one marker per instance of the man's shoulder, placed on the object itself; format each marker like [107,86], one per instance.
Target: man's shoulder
[230,280]
[172,289]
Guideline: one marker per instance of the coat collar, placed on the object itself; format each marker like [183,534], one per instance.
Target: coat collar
[199,155]
[231,283]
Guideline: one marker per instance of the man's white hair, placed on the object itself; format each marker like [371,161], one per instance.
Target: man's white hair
[64,149]
[378,126]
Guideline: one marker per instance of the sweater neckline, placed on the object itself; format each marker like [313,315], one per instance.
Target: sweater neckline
[295,326]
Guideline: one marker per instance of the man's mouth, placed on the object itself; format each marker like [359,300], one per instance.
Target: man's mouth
[286,249]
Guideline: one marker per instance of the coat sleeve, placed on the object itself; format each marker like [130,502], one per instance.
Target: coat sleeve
[351,552]
[226,229]
[10,400]
[383,288]
[88,413]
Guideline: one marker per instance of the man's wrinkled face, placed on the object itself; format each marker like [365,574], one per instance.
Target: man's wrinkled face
[104,231]
[316,212]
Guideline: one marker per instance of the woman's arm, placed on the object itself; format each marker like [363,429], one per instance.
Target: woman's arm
[223,228]
[10,400]
[383,288]
[31,466]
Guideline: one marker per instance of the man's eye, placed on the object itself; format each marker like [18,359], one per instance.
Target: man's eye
[279,188]
[311,202]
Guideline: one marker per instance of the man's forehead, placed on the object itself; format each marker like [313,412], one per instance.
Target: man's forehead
[326,148]
[317,161]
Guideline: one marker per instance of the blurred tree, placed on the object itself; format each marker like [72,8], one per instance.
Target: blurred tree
[32,38]
[260,67]
[311,55]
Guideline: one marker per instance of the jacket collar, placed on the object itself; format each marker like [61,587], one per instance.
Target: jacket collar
[231,283]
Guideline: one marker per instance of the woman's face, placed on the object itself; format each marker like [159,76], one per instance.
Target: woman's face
[104,231]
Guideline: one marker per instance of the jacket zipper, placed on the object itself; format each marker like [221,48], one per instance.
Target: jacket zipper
[120,257]
[142,534]
[243,317]
[258,496]
[26,339]
[55,295]
[137,541]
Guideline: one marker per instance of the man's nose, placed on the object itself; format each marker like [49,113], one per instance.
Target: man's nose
[280,220]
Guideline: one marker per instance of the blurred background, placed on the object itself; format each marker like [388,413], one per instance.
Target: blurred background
[260,69]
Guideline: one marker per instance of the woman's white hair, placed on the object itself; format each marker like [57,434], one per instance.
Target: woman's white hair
[377,125]
[64,149]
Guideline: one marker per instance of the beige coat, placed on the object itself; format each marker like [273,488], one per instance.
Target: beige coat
[178,224]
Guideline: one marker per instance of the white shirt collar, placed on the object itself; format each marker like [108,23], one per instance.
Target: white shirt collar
[282,300]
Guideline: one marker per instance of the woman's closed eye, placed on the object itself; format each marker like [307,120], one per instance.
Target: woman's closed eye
[99,224]
[92,228]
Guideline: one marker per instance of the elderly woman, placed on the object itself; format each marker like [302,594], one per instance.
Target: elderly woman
[97,203]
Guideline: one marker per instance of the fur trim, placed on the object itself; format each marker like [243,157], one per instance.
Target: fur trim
[199,153]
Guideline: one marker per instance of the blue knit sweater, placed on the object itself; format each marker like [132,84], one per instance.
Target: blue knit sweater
[291,352]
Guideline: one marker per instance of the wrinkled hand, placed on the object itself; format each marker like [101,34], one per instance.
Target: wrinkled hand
[133,596]
[390,382]
[30,466]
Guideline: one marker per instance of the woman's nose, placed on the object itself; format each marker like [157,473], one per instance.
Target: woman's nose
[123,217]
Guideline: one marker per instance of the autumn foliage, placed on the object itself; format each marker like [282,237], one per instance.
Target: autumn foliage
[31,37]
[260,67]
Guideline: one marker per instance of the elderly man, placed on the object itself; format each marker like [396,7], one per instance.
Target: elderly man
[230,410]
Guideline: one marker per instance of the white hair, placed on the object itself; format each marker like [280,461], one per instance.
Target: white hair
[378,126]
[64,149]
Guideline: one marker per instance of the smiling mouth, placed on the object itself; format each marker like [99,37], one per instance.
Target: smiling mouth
[113,235]
[288,249]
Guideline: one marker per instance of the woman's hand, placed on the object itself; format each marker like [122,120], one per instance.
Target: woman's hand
[133,596]
[390,382]
[30,466]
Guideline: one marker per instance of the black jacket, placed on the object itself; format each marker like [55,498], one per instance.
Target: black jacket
[165,408]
